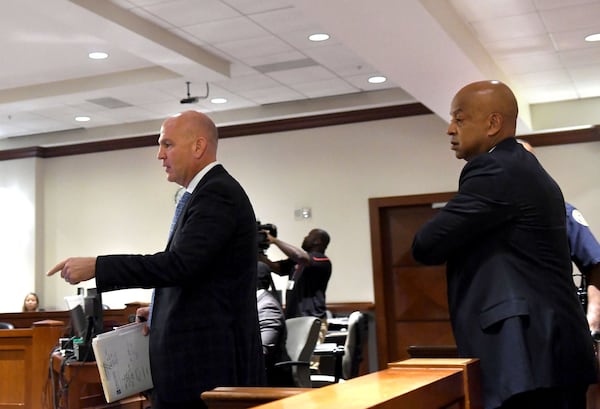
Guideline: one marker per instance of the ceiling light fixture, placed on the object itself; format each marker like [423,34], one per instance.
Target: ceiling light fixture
[82,118]
[593,37]
[378,79]
[98,55]
[318,37]
[218,100]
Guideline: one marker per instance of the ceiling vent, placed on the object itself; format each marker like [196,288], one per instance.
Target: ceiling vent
[110,103]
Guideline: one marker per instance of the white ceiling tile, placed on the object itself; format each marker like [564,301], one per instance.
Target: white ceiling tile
[181,13]
[580,58]
[273,95]
[253,6]
[333,86]
[543,78]
[522,45]
[550,94]
[282,21]
[301,75]
[572,18]
[575,39]
[586,81]
[254,47]
[227,30]
[360,82]
[274,58]
[553,4]
[522,64]
[338,58]
[249,82]
[491,9]
[525,25]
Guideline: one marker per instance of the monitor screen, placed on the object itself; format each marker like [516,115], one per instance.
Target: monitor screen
[92,306]
[78,321]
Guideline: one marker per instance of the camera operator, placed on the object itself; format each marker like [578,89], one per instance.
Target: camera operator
[308,270]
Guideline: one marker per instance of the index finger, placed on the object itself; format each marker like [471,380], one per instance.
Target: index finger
[56,268]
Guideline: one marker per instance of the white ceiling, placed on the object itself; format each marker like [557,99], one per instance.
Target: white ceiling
[257,55]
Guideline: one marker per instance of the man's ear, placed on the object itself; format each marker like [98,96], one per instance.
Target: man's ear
[495,123]
[200,146]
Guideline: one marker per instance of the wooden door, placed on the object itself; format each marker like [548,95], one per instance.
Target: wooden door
[411,306]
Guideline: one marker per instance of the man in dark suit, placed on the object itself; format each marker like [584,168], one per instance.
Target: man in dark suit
[204,328]
[512,300]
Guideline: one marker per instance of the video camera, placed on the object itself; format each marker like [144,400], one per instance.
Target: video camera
[261,238]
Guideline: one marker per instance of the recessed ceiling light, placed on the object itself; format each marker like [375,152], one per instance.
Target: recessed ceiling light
[82,118]
[593,37]
[218,100]
[98,55]
[378,79]
[318,37]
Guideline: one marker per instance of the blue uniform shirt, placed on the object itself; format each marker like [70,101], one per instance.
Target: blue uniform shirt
[585,249]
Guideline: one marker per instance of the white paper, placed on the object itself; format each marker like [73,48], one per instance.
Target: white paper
[123,361]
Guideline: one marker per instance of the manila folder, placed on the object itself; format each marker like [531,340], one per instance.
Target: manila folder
[123,361]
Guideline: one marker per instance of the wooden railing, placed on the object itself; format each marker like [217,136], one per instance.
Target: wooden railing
[24,363]
[112,317]
[423,383]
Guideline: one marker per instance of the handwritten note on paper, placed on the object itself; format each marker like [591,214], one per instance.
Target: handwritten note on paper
[122,357]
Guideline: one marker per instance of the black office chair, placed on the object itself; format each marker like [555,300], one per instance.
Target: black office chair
[302,336]
[6,325]
[352,352]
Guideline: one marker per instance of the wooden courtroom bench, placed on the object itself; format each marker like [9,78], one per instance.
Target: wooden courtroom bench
[423,383]
[24,362]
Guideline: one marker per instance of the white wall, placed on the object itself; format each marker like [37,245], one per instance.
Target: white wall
[120,202]
[17,231]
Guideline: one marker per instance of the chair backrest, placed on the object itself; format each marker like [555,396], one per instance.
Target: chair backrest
[353,347]
[6,325]
[302,336]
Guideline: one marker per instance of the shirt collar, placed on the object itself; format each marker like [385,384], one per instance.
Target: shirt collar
[196,179]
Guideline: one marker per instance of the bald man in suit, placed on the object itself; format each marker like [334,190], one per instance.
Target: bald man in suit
[204,330]
[513,303]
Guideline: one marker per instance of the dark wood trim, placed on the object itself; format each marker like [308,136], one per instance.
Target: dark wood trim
[280,125]
[343,308]
[591,134]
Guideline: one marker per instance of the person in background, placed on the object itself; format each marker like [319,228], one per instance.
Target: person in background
[308,270]
[31,303]
[203,324]
[511,296]
[273,331]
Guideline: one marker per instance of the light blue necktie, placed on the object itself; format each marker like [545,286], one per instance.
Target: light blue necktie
[180,205]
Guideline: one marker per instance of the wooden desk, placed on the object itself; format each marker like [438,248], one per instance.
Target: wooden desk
[77,385]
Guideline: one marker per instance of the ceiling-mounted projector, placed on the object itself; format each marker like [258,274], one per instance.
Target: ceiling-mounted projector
[190,99]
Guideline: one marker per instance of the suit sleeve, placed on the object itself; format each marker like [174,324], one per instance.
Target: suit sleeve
[199,244]
[478,207]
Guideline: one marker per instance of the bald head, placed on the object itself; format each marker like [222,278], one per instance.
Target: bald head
[187,143]
[487,97]
[193,124]
[484,113]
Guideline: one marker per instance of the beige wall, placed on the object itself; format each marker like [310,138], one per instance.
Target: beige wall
[120,202]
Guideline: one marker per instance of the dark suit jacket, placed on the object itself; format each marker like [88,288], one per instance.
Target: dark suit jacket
[204,323]
[511,295]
